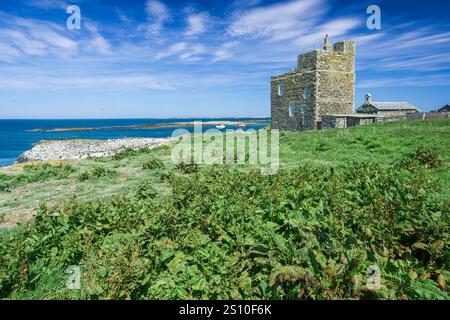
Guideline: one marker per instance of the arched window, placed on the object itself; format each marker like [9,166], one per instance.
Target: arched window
[291,109]
[281,88]
[306,93]
[303,109]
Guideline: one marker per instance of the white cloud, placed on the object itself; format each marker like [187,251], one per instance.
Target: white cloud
[96,42]
[48,4]
[8,53]
[24,38]
[279,21]
[433,62]
[25,43]
[99,44]
[224,53]
[197,23]
[193,53]
[29,37]
[421,50]
[52,38]
[173,50]
[122,15]
[130,81]
[184,51]
[158,14]
[419,81]
[335,28]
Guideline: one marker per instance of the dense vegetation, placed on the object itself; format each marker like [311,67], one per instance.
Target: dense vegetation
[308,232]
[34,173]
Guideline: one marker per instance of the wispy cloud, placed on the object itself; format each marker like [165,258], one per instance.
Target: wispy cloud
[48,4]
[157,14]
[96,42]
[422,49]
[174,49]
[30,37]
[8,53]
[225,51]
[122,16]
[184,51]
[103,82]
[197,23]
[406,81]
[23,38]
[277,22]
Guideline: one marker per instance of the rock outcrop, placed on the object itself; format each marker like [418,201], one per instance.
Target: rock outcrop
[79,149]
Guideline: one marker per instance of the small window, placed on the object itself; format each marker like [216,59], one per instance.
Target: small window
[303,109]
[291,109]
[306,93]
[295,78]
[281,88]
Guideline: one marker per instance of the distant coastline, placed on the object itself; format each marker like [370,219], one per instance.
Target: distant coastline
[21,135]
[153,125]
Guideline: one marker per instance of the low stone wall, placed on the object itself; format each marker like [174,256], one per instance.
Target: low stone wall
[411,117]
[345,121]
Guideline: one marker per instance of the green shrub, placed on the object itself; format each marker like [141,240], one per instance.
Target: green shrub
[35,173]
[5,183]
[322,147]
[153,164]
[187,168]
[306,233]
[146,191]
[429,158]
[95,173]
[128,153]
[43,171]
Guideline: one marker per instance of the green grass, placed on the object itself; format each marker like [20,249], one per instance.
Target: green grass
[142,228]
[384,143]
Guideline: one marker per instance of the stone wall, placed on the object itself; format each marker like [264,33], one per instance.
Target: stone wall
[395,113]
[332,122]
[411,116]
[336,80]
[345,121]
[294,83]
[329,76]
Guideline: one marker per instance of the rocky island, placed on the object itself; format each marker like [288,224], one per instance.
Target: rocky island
[79,149]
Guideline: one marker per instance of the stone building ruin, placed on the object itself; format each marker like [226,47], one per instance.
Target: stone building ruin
[322,84]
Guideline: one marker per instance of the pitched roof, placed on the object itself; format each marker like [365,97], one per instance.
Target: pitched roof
[387,106]
[445,107]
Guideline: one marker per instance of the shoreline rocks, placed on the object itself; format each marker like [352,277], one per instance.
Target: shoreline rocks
[80,149]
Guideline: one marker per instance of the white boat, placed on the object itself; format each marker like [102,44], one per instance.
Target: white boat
[221,126]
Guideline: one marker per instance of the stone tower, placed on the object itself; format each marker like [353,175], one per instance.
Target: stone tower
[323,83]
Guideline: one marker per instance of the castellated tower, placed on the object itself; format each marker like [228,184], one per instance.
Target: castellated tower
[323,83]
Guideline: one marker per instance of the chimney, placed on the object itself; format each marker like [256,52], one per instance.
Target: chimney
[368,99]
[327,44]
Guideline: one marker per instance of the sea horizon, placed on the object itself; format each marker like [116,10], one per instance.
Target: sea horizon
[17,135]
[143,118]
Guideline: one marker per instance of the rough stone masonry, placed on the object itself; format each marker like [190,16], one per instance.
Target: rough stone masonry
[323,83]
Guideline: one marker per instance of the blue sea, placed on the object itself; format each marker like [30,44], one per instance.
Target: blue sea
[16,136]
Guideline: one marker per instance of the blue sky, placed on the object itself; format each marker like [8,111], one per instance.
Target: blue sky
[170,59]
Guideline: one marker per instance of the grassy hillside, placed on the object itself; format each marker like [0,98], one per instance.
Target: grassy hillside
[140,227]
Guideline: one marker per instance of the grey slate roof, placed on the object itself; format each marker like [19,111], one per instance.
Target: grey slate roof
[388,106]
[446,107]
